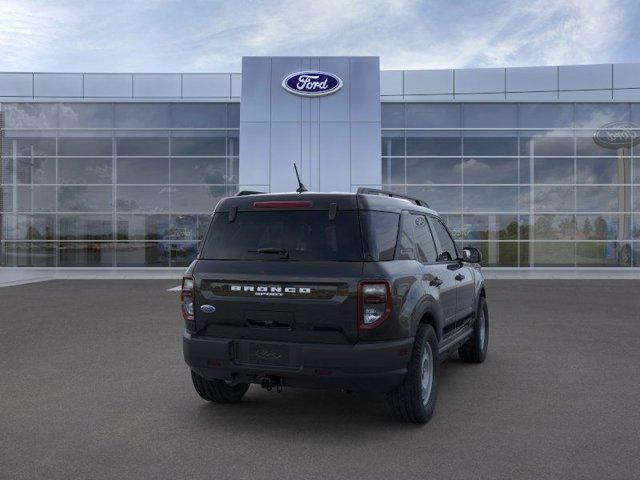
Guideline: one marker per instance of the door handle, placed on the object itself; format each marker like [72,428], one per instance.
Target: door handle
[459,277]
[435,282]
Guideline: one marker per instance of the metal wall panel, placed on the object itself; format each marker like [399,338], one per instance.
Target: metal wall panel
[284,106]
[57,85]
[157,85]
[626,75]
[108,85]
[236,85]
[532,79]
[479,80]
[391,82]
[16,84]
[205,85]
[585,77]
[335,157]
[427,82]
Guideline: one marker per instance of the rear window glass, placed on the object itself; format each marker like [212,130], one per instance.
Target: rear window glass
[381,233]
[305,235]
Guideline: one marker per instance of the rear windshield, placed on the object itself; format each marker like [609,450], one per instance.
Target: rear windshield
[302,234]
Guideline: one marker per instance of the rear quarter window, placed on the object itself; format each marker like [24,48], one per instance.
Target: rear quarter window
[381,233]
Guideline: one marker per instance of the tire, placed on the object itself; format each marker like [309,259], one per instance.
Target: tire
[410,402]
[475,349]
[218,391]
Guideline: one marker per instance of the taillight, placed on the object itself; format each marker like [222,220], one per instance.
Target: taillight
[186,298]
[374,304]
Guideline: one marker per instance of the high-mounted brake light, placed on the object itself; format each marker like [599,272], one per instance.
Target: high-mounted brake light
[283,204]
[186,298]
[374,303]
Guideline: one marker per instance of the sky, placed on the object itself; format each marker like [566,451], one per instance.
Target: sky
[212,36]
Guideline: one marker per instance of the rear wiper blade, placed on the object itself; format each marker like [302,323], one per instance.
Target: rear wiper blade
[283,252]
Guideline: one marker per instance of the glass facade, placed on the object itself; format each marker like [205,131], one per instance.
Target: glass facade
[524,182]
[113,184]
[132,184]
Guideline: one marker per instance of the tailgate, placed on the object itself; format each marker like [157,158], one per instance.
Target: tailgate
[278,300]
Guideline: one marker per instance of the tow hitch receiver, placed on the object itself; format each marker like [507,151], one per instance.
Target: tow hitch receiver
[269,383]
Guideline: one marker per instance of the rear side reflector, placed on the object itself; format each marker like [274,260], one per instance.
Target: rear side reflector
[291,204]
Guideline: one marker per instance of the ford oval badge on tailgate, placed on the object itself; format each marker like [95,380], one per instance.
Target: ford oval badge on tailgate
[207,308]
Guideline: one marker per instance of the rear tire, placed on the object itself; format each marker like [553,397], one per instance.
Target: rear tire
[475,349]
[218,391]
[414,400]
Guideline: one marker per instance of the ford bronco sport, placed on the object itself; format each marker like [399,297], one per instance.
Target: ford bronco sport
[364,291]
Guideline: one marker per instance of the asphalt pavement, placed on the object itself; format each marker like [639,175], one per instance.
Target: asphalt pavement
[93,386]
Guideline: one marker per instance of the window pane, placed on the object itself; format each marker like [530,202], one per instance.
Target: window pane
[392,115]
[142,227]
[90,146]
[546,144]
[603,199]
[604,227]
[554,227]
[142,146]
[432,115]
[233,143]
[603,254]
[30,115]
[488,115]
[143,199]
[85,227]
[490,170]
[33,146]
[183,253]
[85,199]
[382,233]
[6,170]
[553,170]
[554,199]
[585,145]
[80,254]
[491,144]
[603,170]
[142,170]
[393,170]
[92,115]
[434,170]
[407,248]
[196,199]
[497,254]
[442,199]
[437,143]
[184,227]
[40,254]
[139,254]
[233,112]
[545,115]
[598,114]
[553,254]
[490,227]
[142,115]
[36,199]
[36,170]
[490,199]
[85,170]
[392,143]
[36,227]
[200,170]
[199,115]
[213,144]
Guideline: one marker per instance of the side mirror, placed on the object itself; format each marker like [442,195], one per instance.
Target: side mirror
[471,255]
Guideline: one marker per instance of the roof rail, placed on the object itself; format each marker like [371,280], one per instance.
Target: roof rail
[242,193]
[375,191]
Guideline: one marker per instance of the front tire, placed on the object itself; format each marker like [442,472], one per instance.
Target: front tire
[414,400]
[475,349]
[218,391]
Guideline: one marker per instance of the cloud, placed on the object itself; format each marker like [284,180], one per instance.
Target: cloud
[166,35]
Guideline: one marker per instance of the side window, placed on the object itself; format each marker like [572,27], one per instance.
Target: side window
[424,240]
[381,233]
[447,250]
[407,249]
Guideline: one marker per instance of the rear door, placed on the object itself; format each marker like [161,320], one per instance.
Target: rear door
[435,274]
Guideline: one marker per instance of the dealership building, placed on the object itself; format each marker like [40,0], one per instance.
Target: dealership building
[536,166]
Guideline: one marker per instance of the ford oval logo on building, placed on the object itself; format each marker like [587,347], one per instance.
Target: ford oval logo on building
[617,135]
[312,83]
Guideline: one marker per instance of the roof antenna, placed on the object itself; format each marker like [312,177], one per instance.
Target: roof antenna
[301,188]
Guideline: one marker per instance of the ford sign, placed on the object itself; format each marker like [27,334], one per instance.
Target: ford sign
[617,135]
[208,308]
[312,84]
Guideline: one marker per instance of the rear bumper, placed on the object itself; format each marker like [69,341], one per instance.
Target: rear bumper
[371,366]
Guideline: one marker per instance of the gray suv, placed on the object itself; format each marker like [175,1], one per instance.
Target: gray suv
[355,291]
